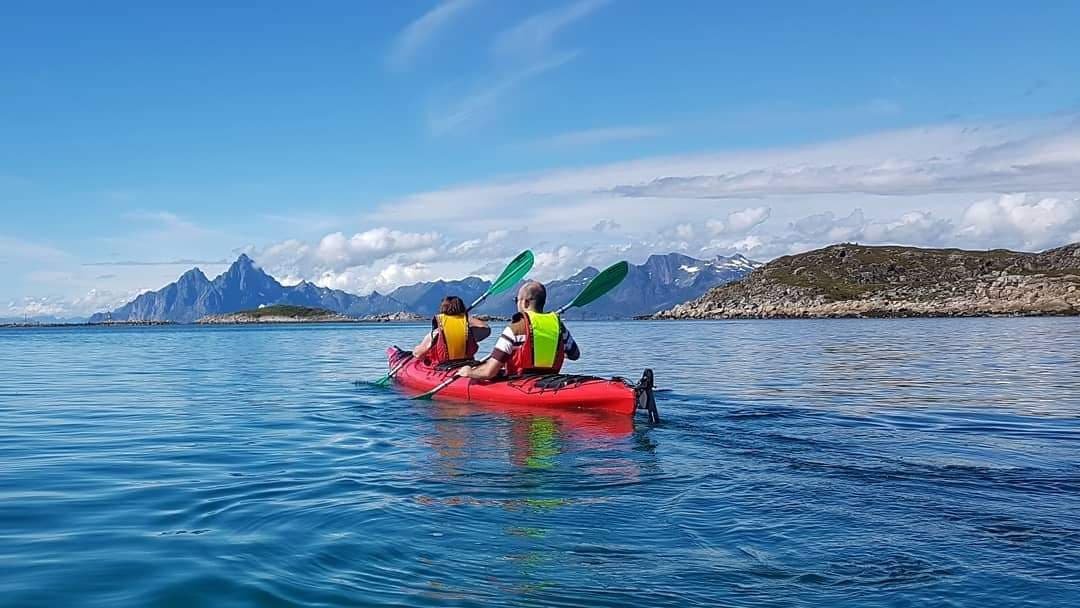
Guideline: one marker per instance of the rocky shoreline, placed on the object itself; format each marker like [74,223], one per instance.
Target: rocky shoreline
[243,319]
[322,316]
[33,325]
[844,281]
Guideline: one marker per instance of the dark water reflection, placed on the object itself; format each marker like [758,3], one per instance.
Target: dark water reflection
[858,463]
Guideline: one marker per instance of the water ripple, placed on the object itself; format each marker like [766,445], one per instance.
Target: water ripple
[870,463]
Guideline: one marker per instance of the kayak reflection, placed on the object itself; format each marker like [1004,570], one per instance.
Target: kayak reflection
[533,439]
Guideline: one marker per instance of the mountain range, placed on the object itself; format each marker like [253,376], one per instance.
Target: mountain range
[661,282]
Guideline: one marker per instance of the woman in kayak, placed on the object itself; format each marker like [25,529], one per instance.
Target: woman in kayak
[454,334]
[534,342]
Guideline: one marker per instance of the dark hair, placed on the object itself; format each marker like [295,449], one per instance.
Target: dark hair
[452,305]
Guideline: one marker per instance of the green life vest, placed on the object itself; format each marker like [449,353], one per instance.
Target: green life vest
[545,328]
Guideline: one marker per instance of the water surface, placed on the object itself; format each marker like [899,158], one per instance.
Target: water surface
[800,463]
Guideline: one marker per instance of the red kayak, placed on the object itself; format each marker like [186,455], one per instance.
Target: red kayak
[550,391]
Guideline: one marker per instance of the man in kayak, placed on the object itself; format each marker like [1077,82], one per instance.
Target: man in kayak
[534,342]
[454,334]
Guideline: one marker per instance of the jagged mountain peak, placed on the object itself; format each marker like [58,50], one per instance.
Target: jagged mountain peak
[244,266]
[193,275]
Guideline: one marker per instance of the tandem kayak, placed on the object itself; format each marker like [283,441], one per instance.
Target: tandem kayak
[547,391]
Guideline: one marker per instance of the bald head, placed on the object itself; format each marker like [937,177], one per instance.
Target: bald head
[532,296]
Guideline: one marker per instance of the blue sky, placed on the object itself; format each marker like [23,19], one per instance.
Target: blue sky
[367,145]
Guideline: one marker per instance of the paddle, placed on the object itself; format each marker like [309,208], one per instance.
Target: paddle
[427,395]
[514,272]
[386,379]
[602,283]
[599,285]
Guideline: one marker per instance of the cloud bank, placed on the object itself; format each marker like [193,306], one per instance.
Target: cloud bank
[1006,185]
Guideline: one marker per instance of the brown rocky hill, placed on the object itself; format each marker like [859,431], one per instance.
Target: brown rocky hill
[851,280]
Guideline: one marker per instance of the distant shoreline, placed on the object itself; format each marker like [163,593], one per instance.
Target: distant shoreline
[216,323]
[853,316]
[144,324]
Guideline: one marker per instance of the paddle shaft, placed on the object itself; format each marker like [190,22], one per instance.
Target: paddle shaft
[478,301]
[397,368]
[429,394]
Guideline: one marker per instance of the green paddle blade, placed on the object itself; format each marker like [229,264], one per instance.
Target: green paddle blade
[601,284]
[514,272]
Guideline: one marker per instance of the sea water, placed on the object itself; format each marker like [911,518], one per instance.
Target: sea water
[798,463]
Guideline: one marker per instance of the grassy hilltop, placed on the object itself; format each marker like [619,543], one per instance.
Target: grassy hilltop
[851,280]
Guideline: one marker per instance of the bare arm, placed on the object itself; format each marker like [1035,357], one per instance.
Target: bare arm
[423,347]
[485,371]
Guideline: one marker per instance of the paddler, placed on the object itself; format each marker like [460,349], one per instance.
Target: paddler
[454,335]
[534,342]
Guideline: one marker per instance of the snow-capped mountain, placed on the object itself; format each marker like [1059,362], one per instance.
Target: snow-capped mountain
[661,282]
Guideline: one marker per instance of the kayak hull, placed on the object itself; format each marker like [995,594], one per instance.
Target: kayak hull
[579,393]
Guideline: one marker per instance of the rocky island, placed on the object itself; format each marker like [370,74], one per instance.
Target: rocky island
[278,313]
[851,280]
[284,313]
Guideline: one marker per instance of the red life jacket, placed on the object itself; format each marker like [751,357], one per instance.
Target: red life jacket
[524,358]
[453,339]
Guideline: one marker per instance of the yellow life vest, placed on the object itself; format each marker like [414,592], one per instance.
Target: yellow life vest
[455,335]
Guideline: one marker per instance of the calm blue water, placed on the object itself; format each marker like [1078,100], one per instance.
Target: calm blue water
[841,463]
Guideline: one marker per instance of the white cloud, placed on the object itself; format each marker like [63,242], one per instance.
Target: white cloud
[335,253]
[491,243]
[395,275]
[939,169]
[338,251]
[383,278]
[94,300]
[532,38]
[605,225]
[1045,161]
[738,222]
[913,227]
[551,264]
[684,231]
[1021,221]
[520,54]
[419,33]
[979,186]
[482,102]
